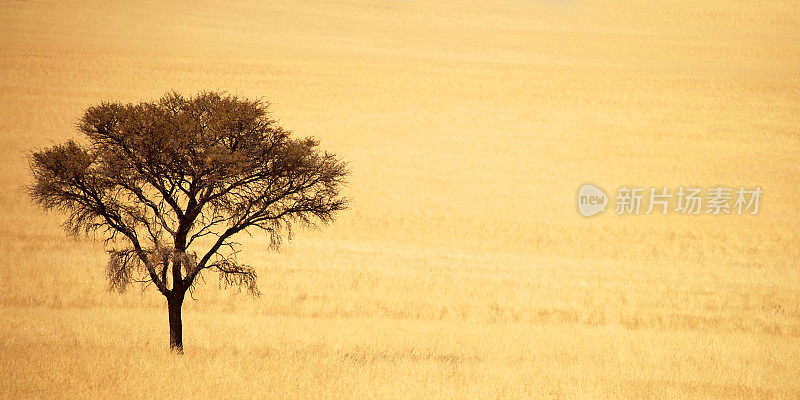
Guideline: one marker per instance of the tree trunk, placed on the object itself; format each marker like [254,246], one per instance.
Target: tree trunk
[174,304]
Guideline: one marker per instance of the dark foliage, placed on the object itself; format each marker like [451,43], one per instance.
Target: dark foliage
[159,179]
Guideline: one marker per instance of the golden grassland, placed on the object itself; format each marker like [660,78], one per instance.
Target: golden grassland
[462,269]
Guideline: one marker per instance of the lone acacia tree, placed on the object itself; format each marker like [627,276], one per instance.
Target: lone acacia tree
[160,180]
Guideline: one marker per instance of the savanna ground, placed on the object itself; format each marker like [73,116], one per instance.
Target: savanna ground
[462,269]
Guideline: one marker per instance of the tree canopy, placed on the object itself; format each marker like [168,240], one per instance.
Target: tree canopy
[157,179]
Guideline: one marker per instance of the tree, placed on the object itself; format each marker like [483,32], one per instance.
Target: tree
[159,180]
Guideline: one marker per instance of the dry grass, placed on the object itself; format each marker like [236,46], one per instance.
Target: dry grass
[462,269]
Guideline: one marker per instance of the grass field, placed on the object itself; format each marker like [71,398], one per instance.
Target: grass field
[462,269]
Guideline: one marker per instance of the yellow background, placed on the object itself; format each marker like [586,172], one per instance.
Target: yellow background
[462,268]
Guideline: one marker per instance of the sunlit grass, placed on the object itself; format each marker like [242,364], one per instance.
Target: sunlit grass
[462,269]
